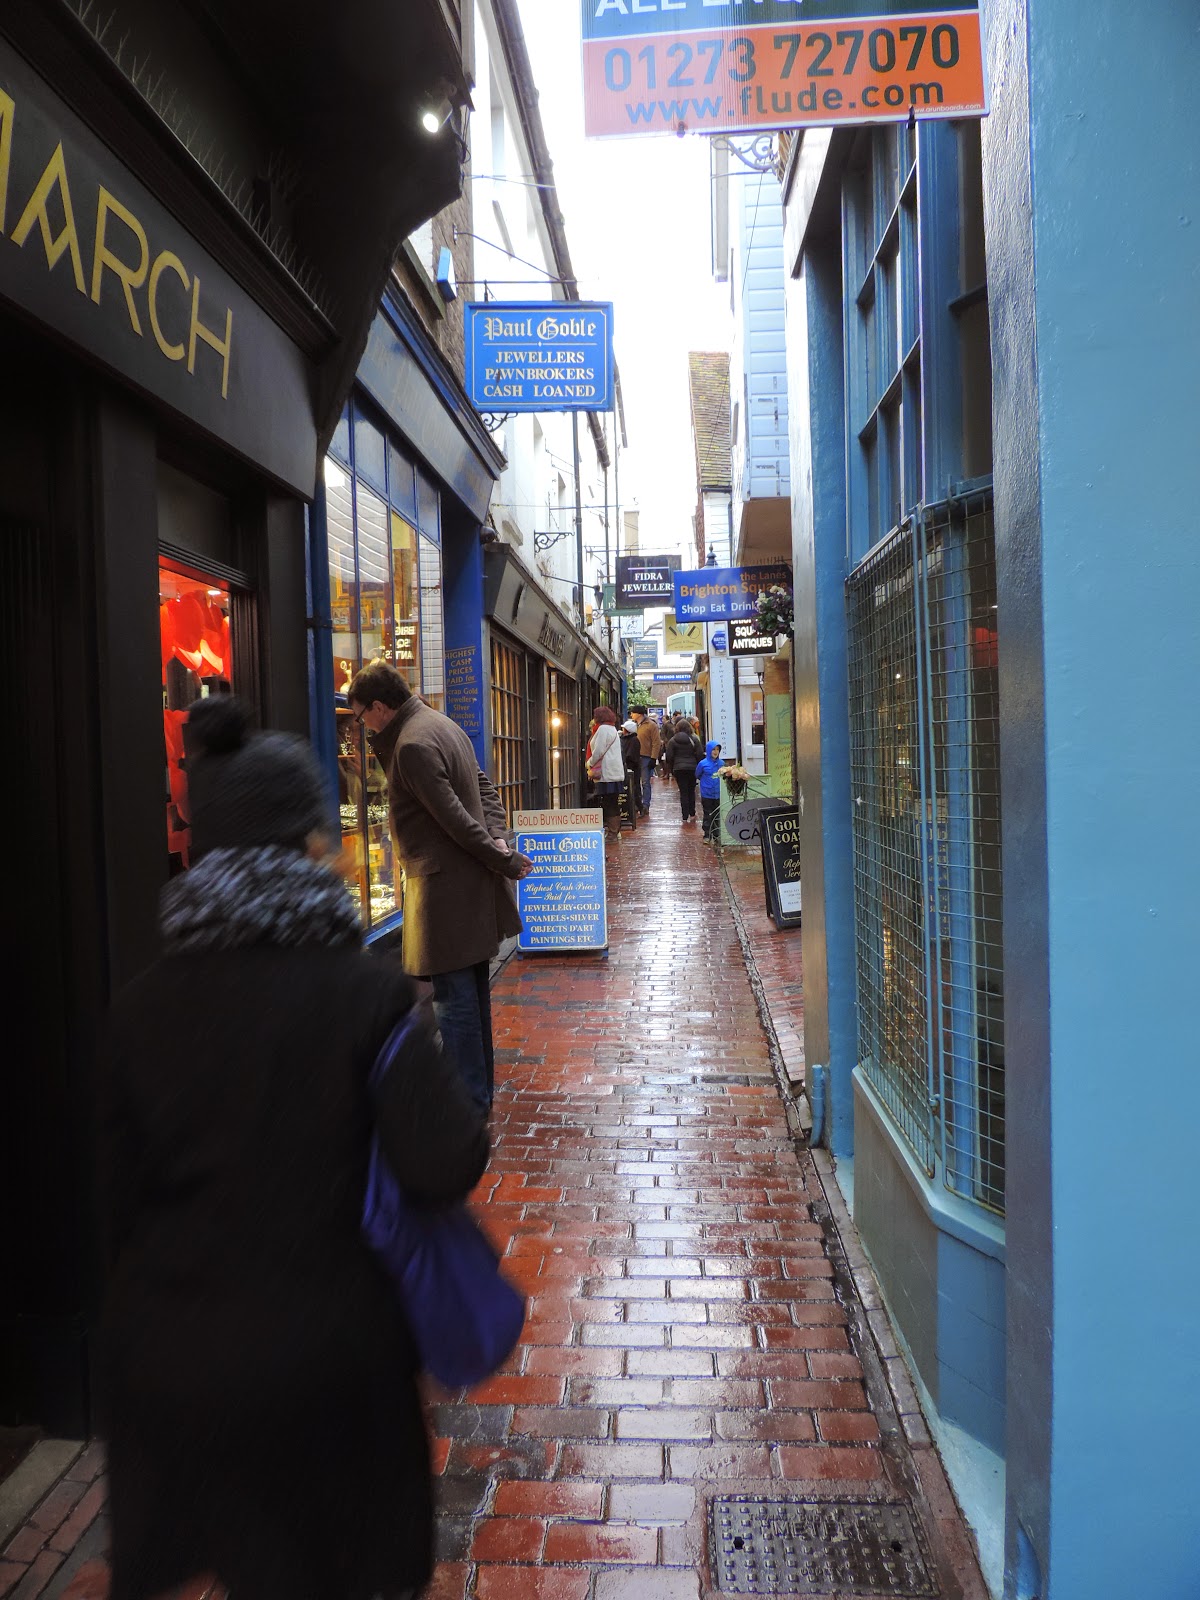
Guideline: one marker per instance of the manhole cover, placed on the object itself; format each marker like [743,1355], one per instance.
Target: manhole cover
[817,1546]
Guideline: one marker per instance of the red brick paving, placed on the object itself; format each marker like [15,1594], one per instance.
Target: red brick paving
[685,1336]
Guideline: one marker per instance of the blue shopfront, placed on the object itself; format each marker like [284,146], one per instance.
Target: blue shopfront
[396,572]
[897,656]
[997,580]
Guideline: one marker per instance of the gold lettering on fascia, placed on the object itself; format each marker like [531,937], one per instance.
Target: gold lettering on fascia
[121,251]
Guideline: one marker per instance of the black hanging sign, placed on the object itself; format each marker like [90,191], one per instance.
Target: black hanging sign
[646,580]
[745,639]
[780,831]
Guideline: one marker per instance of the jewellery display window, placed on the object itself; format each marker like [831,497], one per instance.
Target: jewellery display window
[197,660]
[562,694]
[385,586]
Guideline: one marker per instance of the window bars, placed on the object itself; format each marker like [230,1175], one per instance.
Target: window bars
[925,764]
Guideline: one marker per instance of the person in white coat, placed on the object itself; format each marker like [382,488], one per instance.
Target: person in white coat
[606,768]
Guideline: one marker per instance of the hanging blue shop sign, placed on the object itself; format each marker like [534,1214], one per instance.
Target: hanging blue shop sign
[645,655]
[540,355]
[563,901]
[725,594]
[672,677]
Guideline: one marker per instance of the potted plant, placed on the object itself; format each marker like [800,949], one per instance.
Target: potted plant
[735,778]
[776,613]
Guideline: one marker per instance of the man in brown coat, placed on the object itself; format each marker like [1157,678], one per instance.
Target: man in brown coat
[457,902]
[649,747]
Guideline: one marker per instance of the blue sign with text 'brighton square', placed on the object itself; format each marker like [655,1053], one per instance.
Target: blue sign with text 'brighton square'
[725,594]
[540,356]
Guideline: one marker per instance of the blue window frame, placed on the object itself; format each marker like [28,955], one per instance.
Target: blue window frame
[383,581]
[923,645]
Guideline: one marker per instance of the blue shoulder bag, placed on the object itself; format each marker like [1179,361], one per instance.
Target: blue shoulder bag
[464,1315]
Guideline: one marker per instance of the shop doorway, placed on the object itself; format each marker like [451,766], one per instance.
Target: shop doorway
[197,661]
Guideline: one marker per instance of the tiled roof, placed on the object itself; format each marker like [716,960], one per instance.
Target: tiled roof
[708,380]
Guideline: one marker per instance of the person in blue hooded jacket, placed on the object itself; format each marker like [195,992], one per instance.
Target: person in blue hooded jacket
[709,783]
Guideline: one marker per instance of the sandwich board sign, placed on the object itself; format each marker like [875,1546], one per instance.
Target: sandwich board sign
[563,902]
[780,833]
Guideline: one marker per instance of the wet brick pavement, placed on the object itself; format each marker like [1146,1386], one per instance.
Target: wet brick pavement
[694,1326]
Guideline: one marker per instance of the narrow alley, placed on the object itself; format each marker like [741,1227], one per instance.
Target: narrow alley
[697,1328]
[694,1329]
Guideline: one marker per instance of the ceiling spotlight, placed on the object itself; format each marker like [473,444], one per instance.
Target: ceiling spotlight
[436,114]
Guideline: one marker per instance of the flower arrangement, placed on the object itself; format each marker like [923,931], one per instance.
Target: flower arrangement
[776,613]
[736,778]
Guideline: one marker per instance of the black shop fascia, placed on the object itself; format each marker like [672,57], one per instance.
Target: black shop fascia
[176,344]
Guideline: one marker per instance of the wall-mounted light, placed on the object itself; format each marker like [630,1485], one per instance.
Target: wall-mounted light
[436,113]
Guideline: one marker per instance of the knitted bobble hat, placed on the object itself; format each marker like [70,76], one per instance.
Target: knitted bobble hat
[248,789]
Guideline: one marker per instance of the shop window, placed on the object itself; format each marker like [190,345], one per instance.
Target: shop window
[428,509]
[343,588]
[197,660]
[562,719]
[385,581]
[406,653]
[433,630]
[971,309]
[402,486]
[883,333]
[386,604]
[339,445]
[510,726]
[370,453]
[925,765]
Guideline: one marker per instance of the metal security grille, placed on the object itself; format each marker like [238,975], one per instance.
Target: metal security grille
[887,758]
[964,745]
[510,732]
[926,777]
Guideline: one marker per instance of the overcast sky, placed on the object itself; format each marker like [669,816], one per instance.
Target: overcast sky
[637,220]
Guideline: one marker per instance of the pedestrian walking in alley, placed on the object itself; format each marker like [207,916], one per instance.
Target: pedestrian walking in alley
[667,733]
[258,1378]
[606,768]
[631,753]
[457,903]
[708,781]
[683,754]
[650,748]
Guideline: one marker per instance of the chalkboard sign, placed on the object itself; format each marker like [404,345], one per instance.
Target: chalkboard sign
[563,901]
[627,802]
[781,865]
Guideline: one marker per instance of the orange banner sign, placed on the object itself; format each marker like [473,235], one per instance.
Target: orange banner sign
[874,69]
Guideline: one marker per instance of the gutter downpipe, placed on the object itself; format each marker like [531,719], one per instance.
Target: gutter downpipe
[816,1103]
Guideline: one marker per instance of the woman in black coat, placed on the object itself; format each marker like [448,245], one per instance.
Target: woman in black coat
[683,752]
[259,1379]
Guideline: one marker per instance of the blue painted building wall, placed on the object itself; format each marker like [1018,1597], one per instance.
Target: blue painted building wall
[758,367]
[1092,171]
[816,397]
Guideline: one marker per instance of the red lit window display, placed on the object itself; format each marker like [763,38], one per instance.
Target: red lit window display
[193,614]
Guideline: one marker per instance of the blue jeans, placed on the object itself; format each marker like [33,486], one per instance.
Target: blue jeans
[462,1003]
[648,766]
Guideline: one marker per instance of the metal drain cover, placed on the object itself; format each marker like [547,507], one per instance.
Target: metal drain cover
[868,1547]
